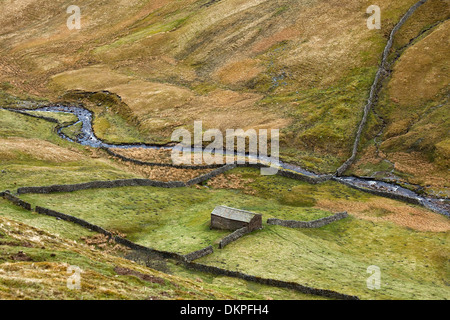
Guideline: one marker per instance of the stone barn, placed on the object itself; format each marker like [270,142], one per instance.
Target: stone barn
[226,218]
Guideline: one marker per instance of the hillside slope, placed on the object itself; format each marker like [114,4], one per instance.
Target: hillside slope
[34,265]
[407,138]
[145,68]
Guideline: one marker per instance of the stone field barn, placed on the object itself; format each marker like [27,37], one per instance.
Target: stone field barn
[226,218]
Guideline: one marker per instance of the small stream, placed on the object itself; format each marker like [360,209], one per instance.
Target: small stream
[88,138]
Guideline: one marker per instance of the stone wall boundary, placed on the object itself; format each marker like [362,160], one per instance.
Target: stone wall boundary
[122,183]
[137,247]
[201,267]
[73,219]
[197,266]
[302,177]
[376,86]
[384,194]
[100,184]
[184,259]
[281,172]
[18,202]
[288,173]
[308,224]
[270,282]
[239,233]
[33,115]
[159,164]
[198,254]
[211,174]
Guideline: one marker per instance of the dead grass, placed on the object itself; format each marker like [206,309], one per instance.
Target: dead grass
[410,167]
[106,244]
[146,155]
[422,71]
[424,172]
[412,217]
[158,173]
[369,156]
[161,108]
[13,148]
[239,71]
[153,54]
[163,156]
[231,181]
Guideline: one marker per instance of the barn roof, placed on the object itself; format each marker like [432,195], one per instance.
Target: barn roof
[233,214]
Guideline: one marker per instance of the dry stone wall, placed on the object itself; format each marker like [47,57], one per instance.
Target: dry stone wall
[384,194]
[308,224]
[34,115]
[122,183]
[117,239]
[210,175]
[158,164]
[233,237]
[73,219]
[186,260]
[198,254]
[137,247]
[302,177]
[376,86]
[270,282]
[101,184]
[290,174]
[8,196]
[284,173]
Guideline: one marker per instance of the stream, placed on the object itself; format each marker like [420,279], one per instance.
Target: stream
[88,138]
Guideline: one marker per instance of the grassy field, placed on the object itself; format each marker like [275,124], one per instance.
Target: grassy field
[32,154]
[34,262]
[49,244]
[56,161]
[407,242]
[410,251]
